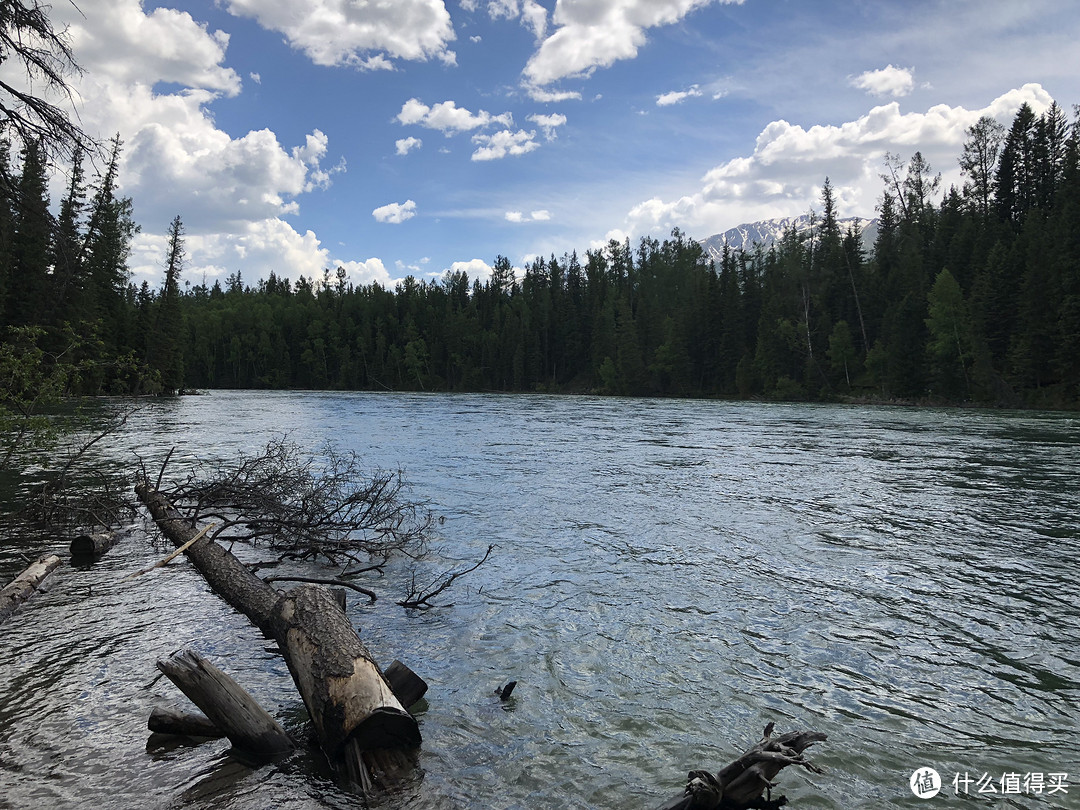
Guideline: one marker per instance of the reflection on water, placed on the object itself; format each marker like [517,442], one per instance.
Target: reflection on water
[669,576]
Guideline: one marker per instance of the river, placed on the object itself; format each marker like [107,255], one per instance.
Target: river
[668,577]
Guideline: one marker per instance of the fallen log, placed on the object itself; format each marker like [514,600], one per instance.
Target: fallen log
[226,704]
[94,545]
[26,584]
[164,720]
[740,784]
[353,708]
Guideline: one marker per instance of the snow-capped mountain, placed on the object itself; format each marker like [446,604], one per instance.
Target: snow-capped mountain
[769,231]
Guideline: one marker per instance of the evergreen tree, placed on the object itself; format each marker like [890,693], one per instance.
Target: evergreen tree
[167,338]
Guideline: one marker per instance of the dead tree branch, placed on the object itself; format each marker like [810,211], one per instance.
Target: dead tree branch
[421,598]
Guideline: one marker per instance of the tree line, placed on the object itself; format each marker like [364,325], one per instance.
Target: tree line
[969,294]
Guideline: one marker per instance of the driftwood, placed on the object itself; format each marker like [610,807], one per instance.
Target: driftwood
[26,584]
[740,785]
[248,725]
[352,707]
[164,720]
[94,545]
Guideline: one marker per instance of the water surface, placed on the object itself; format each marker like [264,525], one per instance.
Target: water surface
[669,576]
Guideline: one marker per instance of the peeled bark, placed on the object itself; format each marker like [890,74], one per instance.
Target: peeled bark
[26,584]
[342,686]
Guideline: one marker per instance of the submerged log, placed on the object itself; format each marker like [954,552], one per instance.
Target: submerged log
[26,584]
[346,694]
[740,785]
[164,720]
[93,545]
[226,704]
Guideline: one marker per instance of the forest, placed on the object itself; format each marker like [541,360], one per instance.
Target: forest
[967,295]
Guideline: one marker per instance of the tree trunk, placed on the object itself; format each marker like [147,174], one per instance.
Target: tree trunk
[342,686]
[248,725]
[345,693]
[86,545]
[26,584]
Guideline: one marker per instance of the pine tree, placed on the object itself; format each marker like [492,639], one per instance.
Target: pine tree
[167,338]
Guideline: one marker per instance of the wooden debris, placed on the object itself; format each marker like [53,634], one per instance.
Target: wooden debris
[227,706]
[740,785]
[94,545]
[26,584]
[165,720]
[408,687]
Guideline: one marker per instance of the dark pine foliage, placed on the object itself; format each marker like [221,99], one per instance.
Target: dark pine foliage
[966,295]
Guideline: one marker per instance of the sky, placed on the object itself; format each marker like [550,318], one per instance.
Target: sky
[415,137]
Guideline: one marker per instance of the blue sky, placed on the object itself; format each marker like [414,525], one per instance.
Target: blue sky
[418,136]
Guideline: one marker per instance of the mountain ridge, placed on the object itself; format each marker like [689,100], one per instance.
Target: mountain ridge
[768,232]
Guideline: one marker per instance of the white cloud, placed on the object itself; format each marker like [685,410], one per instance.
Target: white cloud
[362,33]
[544,95]
[395,213]
[256,77]
[476,269]
[597,33]
[889,81]
[447,117]
[549,123]
[531,13]
[783,175]
[406,145]
[678,96]
[534,216]
[122,44]
[504,143]
[231,192]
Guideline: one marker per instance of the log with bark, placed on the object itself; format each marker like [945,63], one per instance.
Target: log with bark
[353,708]
[26,584]
[740,785]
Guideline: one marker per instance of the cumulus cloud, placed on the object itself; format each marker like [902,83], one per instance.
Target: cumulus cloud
[163,46]
[504,143]
[531,13]
[476,269]
[534,216]
[783,175]
[233,193]
[678,96]
[406,145]
[889,81]
[549,123]
[447,117]
[395,213]
[597,33]
[363,33]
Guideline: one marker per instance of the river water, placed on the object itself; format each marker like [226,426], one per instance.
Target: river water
[669,576]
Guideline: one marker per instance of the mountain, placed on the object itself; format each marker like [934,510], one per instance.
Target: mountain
[769,231]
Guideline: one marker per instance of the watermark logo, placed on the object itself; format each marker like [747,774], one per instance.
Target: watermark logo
[925,783]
